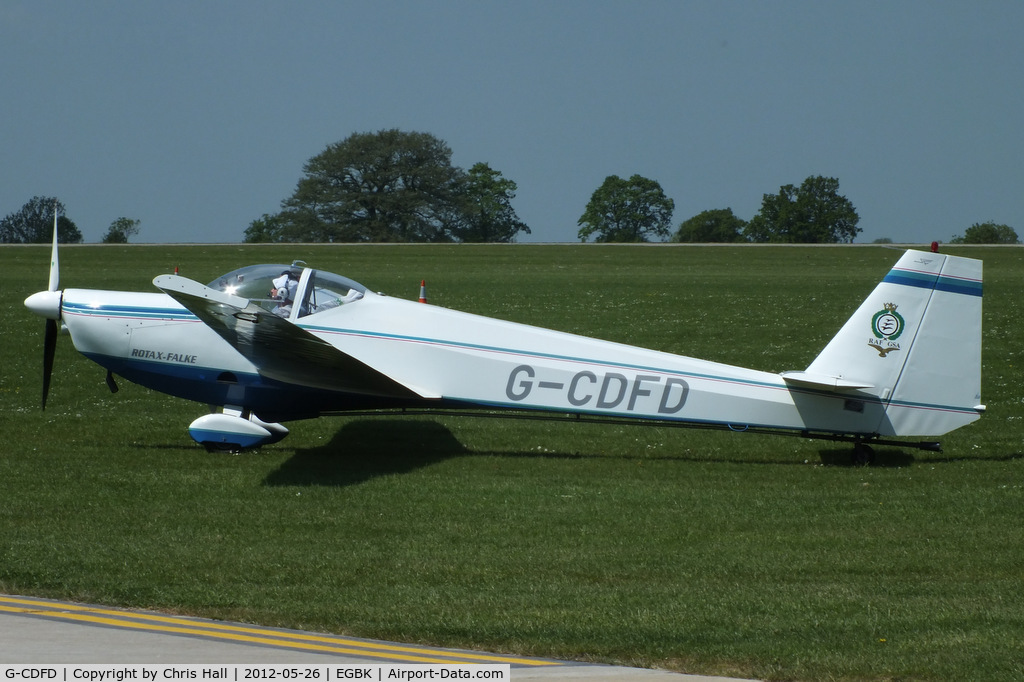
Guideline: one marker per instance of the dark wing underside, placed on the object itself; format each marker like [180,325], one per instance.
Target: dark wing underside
[279,349]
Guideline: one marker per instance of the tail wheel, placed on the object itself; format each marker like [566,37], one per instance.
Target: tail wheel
[863,455]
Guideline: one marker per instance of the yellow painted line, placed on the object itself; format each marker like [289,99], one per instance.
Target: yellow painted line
[303,641]
[84,617]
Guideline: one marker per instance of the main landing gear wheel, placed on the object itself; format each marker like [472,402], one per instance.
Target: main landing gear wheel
[863,455]
[229,431]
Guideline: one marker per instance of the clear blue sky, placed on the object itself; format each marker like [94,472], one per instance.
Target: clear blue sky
[196,117]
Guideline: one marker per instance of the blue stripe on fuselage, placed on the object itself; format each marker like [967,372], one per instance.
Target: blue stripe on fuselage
[139,312]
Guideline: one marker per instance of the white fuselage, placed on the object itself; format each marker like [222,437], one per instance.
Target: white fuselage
[446,357]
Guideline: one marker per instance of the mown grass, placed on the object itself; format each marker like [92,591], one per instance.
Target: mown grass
[708,552]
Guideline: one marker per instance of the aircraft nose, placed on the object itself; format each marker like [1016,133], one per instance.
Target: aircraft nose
[45,304]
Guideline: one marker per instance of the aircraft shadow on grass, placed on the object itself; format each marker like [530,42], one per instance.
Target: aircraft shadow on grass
[365,449]
[895,458]
[885,458]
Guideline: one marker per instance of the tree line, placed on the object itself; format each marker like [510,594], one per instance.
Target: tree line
[637,210]
[33,224]
[397,186]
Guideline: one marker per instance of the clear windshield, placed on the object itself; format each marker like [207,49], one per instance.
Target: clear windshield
[257,283]
[276,288]
[325,291]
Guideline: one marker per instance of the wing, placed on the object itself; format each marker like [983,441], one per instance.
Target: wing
[279,349]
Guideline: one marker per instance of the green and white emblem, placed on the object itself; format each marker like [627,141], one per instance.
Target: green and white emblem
[887,324]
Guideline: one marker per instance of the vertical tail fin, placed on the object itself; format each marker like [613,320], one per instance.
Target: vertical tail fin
[916,342]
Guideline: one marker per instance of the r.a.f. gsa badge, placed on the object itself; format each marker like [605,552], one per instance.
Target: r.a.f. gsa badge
[887,325]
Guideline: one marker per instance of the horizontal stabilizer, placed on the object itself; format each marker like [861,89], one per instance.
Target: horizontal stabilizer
[279,349]
[822,382]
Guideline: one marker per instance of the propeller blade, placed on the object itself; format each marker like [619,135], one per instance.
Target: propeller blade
[41,304]
[49,349]
[54,269]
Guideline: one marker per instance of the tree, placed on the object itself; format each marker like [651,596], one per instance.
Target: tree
[627,211]
[486,209]
[33,224]
[716,225]
[814,213]
[388,186]
[987,233]
[120,230]
[267,228]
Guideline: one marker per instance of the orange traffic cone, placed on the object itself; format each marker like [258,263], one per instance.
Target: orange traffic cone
[423,291]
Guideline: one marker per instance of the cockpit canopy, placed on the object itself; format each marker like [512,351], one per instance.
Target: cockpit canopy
[291,291]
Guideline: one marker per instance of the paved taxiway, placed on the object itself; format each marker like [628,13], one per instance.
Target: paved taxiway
[36,630]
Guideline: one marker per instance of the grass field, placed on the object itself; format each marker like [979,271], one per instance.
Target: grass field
[709,552]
